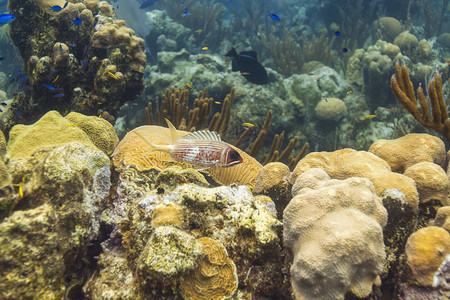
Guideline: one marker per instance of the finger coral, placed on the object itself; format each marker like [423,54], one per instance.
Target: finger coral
[334,229]
[214,278]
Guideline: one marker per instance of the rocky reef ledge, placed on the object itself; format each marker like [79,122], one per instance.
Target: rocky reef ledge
[81,221]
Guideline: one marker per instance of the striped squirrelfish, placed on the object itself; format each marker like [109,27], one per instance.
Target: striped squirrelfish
[202,148]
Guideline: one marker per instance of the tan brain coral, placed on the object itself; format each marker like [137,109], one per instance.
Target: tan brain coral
[346,163]
[215,277]
[334,229]
[410,149]
[133,151]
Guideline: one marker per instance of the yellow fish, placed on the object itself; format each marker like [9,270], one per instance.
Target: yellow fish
[70,124]
[349,92]
[205,48]
[112,75]
[188,85]
[198,30]
[217,102]
[369,117]
[57,76]
[21,187]
[248,124]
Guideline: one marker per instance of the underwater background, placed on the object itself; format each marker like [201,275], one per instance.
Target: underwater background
[338,110]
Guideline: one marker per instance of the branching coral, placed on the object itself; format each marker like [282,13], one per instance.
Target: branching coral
[289,56]
[204,16]
[403,90]
[174,107]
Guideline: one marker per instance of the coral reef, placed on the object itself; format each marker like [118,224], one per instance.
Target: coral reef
[330,109]
[339,246]
[223,233]
[133,151]
[84,68]
[45,240]
[426,251]
[346,163]
[409,150]
[54,130]
[403,90]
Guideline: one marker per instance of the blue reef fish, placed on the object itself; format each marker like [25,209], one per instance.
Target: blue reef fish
[201,148]
[2,58]
[147,3]
[56,8]
[4,103]
[65,4]
[247,63]
[186,12]
[345,50]
[337,33]
[77,21]
[58,95]
[52,88]
[273,16]
[60,48]
[6,18]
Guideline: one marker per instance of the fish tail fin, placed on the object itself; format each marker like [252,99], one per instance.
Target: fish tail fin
[232,53]
[152,146]
[173,131]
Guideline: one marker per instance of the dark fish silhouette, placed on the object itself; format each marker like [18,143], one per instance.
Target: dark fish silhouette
[247,63]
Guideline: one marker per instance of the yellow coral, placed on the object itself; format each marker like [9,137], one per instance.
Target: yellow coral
[55,130]
[167,214]
[426,250]
[215,277]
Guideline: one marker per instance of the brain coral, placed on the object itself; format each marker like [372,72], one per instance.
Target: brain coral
[346,163]
[426,250]
[431,181]
[331,109]
[215,277]
[132,150]
[334,229]
[55,130]
[410,149]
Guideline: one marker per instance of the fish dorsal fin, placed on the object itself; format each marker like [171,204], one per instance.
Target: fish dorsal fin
[250,54]
[173,131]
[203,135]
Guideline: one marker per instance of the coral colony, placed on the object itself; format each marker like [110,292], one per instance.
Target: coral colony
[228,149]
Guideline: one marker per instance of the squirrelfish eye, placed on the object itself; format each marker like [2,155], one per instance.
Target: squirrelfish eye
[234,155]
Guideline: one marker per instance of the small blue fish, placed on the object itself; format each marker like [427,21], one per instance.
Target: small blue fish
[52,88]
[345,50]
[186,12]
[4,103]
[337,33]
[273,16]
[6,18]
[2,58]
[83,96]
[77,21]
[21,87]
[58,95]
[60,48]
[65,4]
[56,8]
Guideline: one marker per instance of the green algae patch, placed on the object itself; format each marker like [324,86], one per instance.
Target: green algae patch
[55,130]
